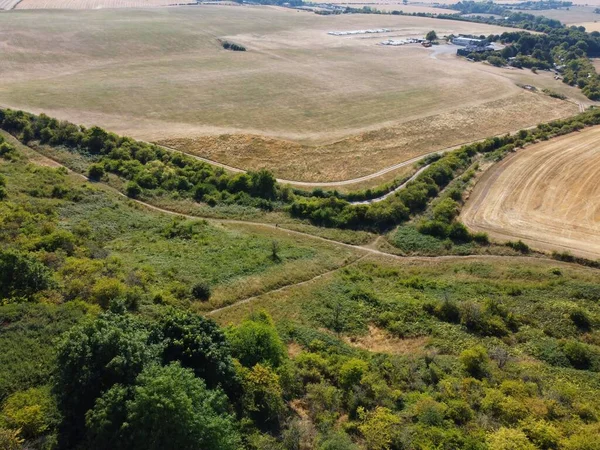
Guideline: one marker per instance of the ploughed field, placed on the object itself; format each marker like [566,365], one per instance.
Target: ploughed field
[308,105]
[546,195]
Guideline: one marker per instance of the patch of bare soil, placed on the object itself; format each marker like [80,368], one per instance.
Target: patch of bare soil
[379,341]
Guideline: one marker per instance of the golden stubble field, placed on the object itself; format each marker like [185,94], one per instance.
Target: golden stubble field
[91,4]
[305,104]
[547,195]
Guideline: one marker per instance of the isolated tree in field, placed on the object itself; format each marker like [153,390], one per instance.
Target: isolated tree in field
[275,251]
[431,36]
[201,291]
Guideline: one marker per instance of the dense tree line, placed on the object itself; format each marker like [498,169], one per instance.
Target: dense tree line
[147,167]
[567,50]
[150,168]
[482,7]
[415,196]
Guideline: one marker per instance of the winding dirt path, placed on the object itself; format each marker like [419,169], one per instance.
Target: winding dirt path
[365,250]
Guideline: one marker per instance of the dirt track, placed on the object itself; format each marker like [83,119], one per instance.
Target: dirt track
[548,195]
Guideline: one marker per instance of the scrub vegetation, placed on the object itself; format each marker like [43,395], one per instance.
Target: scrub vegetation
[152,301]
[100,326]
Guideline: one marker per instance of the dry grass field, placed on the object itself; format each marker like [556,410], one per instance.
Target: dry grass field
[547,195]
[572,16]
[392,5]
[305,104]
[590,26]
[91,4]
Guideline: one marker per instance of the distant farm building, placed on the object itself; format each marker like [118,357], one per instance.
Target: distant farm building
[469,42]
[472,49]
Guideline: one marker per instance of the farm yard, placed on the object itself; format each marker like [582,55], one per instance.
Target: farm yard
[296,88]
[546,195]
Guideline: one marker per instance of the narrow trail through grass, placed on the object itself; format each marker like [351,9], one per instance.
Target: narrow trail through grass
[366,250]
[286,287]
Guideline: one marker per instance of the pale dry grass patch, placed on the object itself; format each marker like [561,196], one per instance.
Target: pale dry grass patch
[300,102]
[380,341]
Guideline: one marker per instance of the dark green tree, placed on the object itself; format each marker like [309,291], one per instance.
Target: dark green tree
[96,172]
[133,189]
[172,409]
[199,344]
[22,275]
[256,341]
[167,408]
[91,359]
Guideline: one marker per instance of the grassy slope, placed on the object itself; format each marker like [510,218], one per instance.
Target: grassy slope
[236,261]
[378,303]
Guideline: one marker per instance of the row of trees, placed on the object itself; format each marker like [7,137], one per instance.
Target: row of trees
[146,166]
[568,48]
[150,168]
[413,199]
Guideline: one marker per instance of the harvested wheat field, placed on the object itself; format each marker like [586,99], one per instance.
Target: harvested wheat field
[8,4]
[546,195]
[306,104]
[90,4]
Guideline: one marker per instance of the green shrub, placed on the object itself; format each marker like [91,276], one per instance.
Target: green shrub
[578,355]
[519,246]
[459,233]
[509,439]
[475,361]
[133,189]
[22,276]
[33,412]
[96,172]
[433,228]
[256,341]
[201,291]
[481,238]
[352,372]
[581,319]
[542,433]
